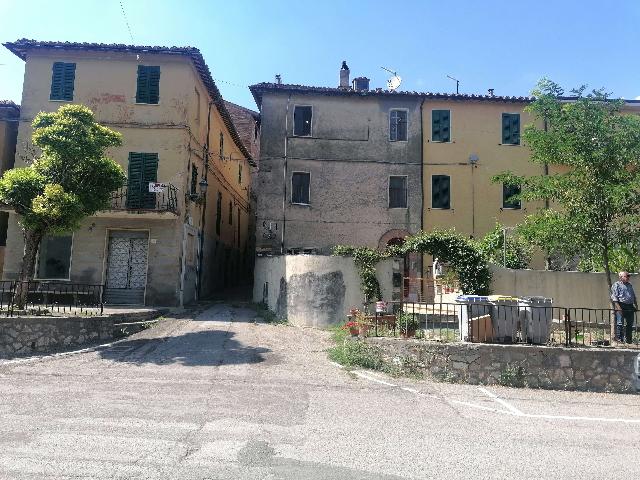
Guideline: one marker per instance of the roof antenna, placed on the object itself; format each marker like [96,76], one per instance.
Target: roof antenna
[394,82]
[278,79]
[457,83]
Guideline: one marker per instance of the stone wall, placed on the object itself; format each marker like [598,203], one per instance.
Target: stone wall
[30,335]
[313,290]
[557,368]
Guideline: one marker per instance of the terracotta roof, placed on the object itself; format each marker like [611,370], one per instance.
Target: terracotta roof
[246,122]
[23,46]
[8,104]
[258,89]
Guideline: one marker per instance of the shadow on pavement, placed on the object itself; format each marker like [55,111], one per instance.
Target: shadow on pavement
[205,348]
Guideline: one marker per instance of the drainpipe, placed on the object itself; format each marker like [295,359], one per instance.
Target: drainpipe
[205,155]
[284,176]
[422,165]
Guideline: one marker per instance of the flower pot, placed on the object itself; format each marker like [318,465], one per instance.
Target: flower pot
[354,331]
[409,333]
[364,329]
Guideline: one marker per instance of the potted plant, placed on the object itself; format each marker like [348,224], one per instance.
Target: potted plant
[352,327]
[407,324]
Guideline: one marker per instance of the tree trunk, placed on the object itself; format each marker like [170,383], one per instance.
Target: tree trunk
[32,240]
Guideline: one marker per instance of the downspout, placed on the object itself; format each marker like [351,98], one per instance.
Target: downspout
[284,176]
[422,166]
[205,155]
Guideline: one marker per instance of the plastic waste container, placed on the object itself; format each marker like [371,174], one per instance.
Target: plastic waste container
[472,307]
[536,315]
[504,316]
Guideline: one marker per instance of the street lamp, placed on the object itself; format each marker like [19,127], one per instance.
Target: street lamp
[203,186]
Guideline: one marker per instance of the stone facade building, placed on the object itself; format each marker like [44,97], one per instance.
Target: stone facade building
[179,229]
[337,166]
[9,117]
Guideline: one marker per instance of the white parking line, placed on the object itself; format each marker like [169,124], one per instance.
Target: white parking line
[502,402]
[511,410]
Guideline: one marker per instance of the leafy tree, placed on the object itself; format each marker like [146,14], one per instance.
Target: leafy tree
[516,255]
[594,207]
[70,179]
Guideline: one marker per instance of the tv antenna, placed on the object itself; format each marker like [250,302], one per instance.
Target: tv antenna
[457,83]
[394,82]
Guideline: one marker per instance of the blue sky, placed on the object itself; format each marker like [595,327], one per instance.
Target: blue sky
[503,45]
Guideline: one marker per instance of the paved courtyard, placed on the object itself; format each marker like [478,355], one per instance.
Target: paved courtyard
[221,396]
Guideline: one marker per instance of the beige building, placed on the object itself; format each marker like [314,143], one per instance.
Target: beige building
[9,116]
[164,241]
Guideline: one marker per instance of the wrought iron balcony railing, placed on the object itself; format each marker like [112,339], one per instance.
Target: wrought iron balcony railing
[139,198]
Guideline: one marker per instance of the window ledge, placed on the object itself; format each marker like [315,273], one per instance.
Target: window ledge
[150,104]
[398,208]
[52,279]
[300,204]
[61,101]
[509,144]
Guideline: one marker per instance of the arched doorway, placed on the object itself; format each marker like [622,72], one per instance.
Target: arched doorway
[407,284]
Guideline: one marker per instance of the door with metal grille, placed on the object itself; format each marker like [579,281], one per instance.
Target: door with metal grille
[126,268]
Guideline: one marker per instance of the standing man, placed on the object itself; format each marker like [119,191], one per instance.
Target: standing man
[625,303]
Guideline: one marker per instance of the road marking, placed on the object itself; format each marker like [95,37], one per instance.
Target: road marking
[502,402]
[57,355]
[511,410]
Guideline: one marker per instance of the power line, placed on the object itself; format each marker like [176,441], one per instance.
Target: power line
[127,23]
[218,80]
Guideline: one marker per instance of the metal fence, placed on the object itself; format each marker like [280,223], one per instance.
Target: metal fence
[496,323]
[136,197]
[51,298]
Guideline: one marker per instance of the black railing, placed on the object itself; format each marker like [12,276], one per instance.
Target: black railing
[50,298]
[136,197]
[497,323]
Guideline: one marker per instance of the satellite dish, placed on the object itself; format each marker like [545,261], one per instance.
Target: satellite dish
[394,82]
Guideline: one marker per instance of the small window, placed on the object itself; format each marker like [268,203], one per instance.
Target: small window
[302,121]
[300,188]
[509,191]
[238,219]
[191,249]
[239,174]
[148,90]
[62,80]
[194,180]
[221,146]
[218,213]
[230,213]
[398,192]
[511,129]
[440,126]
[197,105]
[398,126]
[441,191]
[54,258]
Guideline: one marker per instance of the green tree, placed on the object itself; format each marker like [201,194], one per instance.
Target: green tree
[593,196]
[517,253]
[70,179]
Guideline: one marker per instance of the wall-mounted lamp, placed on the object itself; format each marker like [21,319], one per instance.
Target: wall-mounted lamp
[203,186]
[473,159]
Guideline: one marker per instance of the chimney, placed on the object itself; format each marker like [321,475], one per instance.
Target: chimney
[361,84]
[344,75]
[278,79]
[491,92]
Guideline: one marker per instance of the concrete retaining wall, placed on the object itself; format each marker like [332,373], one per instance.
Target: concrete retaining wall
[568,289]
[29,335]
[557,368]
[313,290]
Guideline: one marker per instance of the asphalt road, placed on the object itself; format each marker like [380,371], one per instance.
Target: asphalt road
[223,397]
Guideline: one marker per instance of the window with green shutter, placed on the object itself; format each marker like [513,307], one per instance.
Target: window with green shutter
[194,180]
[148,90]
[63,77]
[511,129]
[441,191]
[508,191]
[143,169]
[440,126]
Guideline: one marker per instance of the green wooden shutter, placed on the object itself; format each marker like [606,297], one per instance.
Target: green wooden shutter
[142,91]
[134,184]
[440,126]
[150,174]
[511,128]
[57,80]
[440,192]
[194,179]
[154,84]
[68,81]
[218,213]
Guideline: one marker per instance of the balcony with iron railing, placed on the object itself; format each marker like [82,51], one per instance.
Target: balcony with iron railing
[153,198]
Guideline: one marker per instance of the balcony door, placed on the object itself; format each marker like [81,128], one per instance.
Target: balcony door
[143,169]
[127,267]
